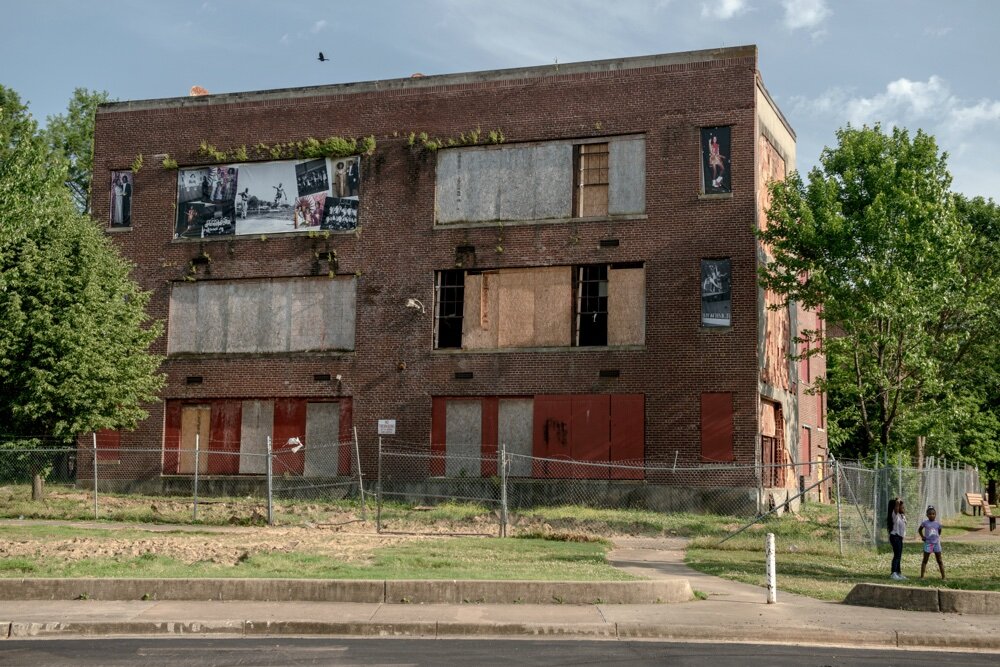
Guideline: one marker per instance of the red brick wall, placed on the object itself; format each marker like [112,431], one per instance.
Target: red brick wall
[398,249]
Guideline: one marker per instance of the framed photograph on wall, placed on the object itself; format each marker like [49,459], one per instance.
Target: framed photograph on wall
[716,173]
[716,292]
[121,198]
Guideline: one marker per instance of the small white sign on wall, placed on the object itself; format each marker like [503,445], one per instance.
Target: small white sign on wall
[387,427]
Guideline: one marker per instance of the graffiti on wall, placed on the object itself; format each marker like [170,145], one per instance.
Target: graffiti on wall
[268,197]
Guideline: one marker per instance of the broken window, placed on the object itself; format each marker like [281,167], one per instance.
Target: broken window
[450,308]
[591,306]
[590,180]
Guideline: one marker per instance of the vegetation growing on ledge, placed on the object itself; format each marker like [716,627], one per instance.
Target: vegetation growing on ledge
[169,163]
[331,147]
[418,140]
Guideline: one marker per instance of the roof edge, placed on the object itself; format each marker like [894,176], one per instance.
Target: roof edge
[440,80]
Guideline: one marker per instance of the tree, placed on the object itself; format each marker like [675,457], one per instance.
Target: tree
[874,239]
[72,134]
[74,334]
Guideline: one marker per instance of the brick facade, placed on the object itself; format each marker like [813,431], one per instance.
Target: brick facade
[394,372]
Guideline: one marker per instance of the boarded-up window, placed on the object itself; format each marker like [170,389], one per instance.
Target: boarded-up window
[626,305]
[259,316]
[717,427]
[541,181]
[805,452]
[518,308]
[590,182]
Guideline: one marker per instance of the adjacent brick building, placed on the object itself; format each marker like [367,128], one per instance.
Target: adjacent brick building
[559,258]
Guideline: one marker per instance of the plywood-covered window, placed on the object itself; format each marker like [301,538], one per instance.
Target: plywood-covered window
[590,192]
[552,306]
[717,427]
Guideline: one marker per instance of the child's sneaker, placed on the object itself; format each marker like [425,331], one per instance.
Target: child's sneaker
[902,576]
[896,576]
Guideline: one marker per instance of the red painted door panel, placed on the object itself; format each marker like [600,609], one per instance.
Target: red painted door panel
[289,423]
[109,443]
[628,435]
[171,437]
[551,435]
[346,438]
[224,441]
[717,427]
[590,435]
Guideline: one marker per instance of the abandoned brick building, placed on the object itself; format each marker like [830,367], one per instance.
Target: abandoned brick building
[561,259]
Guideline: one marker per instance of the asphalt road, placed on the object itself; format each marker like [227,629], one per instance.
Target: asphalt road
[185,652]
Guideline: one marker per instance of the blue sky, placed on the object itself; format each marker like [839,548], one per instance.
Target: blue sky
[927,64]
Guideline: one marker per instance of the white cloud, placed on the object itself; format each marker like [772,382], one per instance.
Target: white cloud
[318,25]
[937,31]
[967,129]
[723,9]
[804,13]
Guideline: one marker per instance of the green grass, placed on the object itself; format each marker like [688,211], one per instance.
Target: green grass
[445,558]
[809,563]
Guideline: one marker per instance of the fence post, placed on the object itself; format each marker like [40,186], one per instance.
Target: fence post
[96,514]
[875,512]
[361,481]
[197,464]
[378,490]
[840,516]
[503,489]
[772,584]
[270,476]
[899,477]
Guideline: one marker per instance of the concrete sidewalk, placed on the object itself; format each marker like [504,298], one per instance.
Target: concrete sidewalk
[733,612]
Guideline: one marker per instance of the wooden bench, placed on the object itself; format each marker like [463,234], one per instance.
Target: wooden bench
[975,502]
[989,515]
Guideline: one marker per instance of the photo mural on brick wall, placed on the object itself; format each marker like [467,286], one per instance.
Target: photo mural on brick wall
[716,293]
[121,199]
[268,198]
[715,164]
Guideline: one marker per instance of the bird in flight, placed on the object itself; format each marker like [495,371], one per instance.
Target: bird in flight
[322,58]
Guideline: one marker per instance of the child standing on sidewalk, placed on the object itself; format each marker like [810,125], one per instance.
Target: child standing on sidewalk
[896,524]
[930,533]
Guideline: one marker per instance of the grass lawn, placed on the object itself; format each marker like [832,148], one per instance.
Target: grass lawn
[809,563]
[439,558]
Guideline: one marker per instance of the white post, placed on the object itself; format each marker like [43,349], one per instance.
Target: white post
[772,584]
[378,490]
[96,514]
[503,489]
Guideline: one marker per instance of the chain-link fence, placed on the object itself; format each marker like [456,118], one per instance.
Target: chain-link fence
[865,493]
[323,483]
[239,483]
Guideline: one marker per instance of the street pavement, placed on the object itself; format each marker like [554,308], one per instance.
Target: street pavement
[732,612]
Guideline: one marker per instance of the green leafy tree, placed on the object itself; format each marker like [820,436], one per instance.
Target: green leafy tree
[72,135]
[74,334]
[874,239]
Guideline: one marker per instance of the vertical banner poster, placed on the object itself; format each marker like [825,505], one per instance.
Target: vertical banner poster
[340,211]
[121,199]
[715,160]
[206,201]
[716,293]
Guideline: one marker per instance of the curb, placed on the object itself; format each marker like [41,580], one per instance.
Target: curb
[435,629]
[413,591]
[943,600]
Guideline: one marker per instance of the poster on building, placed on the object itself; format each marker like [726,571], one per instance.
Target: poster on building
[206,201]
[264,198]
[715,160]
[716,293]
[340,214]
[121,199]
